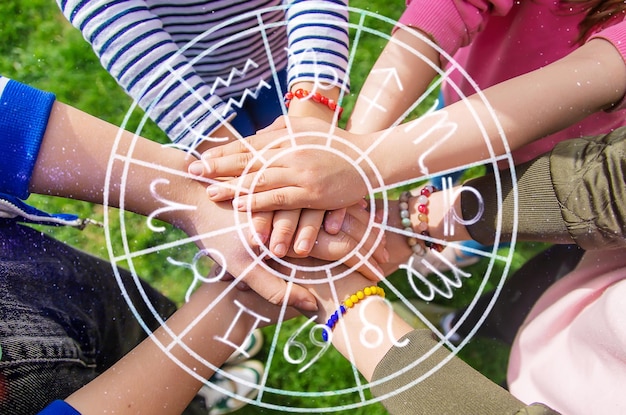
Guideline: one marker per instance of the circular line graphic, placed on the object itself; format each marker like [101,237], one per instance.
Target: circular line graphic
[362,174]
[182,251]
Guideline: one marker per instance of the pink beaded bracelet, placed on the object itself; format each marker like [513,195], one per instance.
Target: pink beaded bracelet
[316,97]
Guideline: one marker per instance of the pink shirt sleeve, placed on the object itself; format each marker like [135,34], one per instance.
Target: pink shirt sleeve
[452,23]
[615,34]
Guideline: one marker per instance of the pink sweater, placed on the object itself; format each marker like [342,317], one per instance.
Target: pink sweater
[500,39]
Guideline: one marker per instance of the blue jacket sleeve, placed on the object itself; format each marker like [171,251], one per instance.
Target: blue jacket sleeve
[59,408]
[24,113]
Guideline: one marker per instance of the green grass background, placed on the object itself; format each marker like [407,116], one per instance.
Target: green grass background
[38,47]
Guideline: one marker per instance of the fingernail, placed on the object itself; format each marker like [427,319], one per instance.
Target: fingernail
[259,237]
[334,227]
[307,305]
[304,245]
[196,168]
[217,269]
[378,217]
[239,204]
[212,191]
[386,255]
[280,250]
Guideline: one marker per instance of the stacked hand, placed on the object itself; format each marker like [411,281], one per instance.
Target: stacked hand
[270,171]
[303,166]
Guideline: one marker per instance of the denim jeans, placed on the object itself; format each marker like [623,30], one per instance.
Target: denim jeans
[63,319]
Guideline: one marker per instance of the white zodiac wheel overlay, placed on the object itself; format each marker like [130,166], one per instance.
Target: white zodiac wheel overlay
[297,344]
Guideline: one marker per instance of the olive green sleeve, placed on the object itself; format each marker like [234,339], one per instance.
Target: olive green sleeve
[451,388]
[574,194]
[588,175]
[538,211]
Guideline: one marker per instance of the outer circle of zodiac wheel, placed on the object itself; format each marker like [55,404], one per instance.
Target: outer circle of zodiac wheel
[291,343]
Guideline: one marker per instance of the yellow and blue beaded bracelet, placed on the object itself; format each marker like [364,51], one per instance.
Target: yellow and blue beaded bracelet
[349,303]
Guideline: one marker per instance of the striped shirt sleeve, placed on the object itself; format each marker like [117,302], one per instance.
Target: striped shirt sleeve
[133,47]
[318,42]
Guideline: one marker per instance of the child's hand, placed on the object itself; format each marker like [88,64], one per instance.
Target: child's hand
[352,236]
[307,165]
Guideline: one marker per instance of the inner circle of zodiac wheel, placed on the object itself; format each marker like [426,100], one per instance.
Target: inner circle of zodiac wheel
[310,387]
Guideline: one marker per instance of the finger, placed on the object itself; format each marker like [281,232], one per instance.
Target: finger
[224,166]
[342,247]
[285,198]
[268,179]
[234,147]
[274,290]
[333,220]
[308,227]
[263,139]
[358,224]
[284,227]
[261,228]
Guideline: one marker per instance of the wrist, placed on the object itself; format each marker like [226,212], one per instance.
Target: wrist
[415,209]
[378,169]
[307,99]
[344,287]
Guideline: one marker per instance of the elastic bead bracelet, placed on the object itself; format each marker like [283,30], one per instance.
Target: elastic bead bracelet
[316,97]
[422,226]
[349,303]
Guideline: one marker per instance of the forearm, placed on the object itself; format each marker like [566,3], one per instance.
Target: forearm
[308,107]
[528,208]
[392,355]
[151,180]
[453,387]
[367,332]
[590,79]
[473,211]
[357,334]
[318,40]
[402,74]
[571,195]
[74,161]
[151,378]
